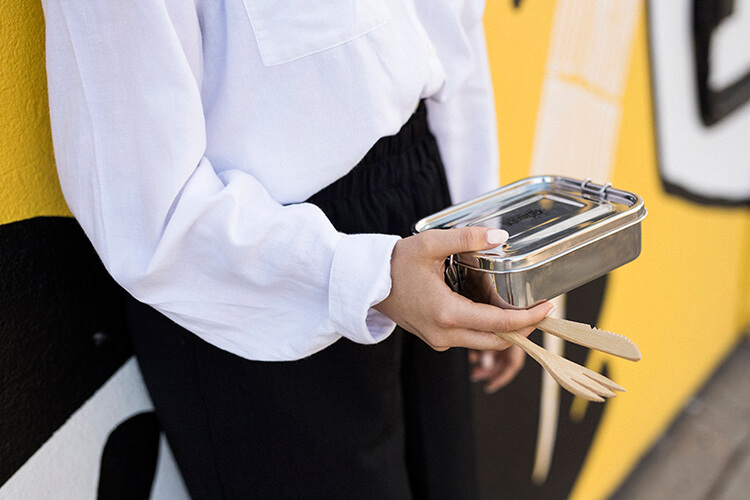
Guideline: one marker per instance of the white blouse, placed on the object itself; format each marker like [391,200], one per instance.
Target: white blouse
[188,132]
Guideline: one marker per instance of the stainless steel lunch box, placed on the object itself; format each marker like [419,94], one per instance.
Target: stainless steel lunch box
[563,233]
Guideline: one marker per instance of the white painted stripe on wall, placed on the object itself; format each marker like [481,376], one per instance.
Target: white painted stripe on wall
[579,122]
[67,465]
[579,115]
[577,135]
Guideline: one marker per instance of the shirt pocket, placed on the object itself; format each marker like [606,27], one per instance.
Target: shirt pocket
[286,30]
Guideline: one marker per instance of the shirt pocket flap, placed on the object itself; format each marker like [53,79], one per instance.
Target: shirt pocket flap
[290,29]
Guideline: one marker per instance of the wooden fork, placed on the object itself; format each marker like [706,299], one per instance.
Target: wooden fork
[575,378]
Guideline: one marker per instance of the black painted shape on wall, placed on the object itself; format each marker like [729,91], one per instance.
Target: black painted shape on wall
[507,421]
[700,53]
[714,104]
[129,458]
[62,331]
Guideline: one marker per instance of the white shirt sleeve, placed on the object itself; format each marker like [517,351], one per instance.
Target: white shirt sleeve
[211,250]
[462,116]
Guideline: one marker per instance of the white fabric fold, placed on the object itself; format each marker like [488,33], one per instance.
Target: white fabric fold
[186,160]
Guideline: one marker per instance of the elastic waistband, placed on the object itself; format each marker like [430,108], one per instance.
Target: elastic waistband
[393,162]
[411,132]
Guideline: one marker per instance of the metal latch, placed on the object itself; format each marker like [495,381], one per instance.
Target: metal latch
[451,275]
[588,187]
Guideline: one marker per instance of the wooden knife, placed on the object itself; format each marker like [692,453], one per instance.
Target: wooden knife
[584,335]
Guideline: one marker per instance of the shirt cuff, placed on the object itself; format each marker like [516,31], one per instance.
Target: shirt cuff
[361,278]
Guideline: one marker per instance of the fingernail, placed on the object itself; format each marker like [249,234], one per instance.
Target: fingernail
[497,236]
[487,360]
[552,310]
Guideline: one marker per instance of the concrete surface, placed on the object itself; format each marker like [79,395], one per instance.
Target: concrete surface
[705,455]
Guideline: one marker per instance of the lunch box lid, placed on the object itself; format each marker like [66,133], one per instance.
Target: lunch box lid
[545,216]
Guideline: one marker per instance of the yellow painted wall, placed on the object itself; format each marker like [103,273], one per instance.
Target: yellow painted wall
[685,301]
[28,183]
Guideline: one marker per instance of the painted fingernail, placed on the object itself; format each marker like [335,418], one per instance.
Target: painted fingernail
[497,236]
[552,310]
[488,360]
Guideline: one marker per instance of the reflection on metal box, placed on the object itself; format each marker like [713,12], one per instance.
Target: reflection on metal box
[563,233]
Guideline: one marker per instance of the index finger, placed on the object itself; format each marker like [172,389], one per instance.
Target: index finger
[488,318]
[440,243]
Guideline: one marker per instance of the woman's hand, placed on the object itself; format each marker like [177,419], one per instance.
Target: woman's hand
[421,303]
[496,368]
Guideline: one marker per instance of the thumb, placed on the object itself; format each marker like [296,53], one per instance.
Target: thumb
[444,242]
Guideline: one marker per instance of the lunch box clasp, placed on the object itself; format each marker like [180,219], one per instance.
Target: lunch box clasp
[451,275]
[588,187]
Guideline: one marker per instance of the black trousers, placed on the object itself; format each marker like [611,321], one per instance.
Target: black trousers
[385,421]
